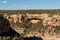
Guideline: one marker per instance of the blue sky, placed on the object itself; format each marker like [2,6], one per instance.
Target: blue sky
[29,4]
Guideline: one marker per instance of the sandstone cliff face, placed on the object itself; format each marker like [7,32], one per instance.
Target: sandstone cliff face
[53,20]
[47,21]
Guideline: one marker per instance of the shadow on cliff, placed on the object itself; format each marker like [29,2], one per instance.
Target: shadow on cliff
[5,29]
[33,38]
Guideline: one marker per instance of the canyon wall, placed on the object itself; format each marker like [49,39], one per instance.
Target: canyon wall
[47,20]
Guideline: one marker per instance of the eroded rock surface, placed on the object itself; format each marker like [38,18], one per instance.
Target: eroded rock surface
[48,20]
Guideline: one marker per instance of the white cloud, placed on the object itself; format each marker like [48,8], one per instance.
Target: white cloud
[25,6]
[4,2]
[14,5]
